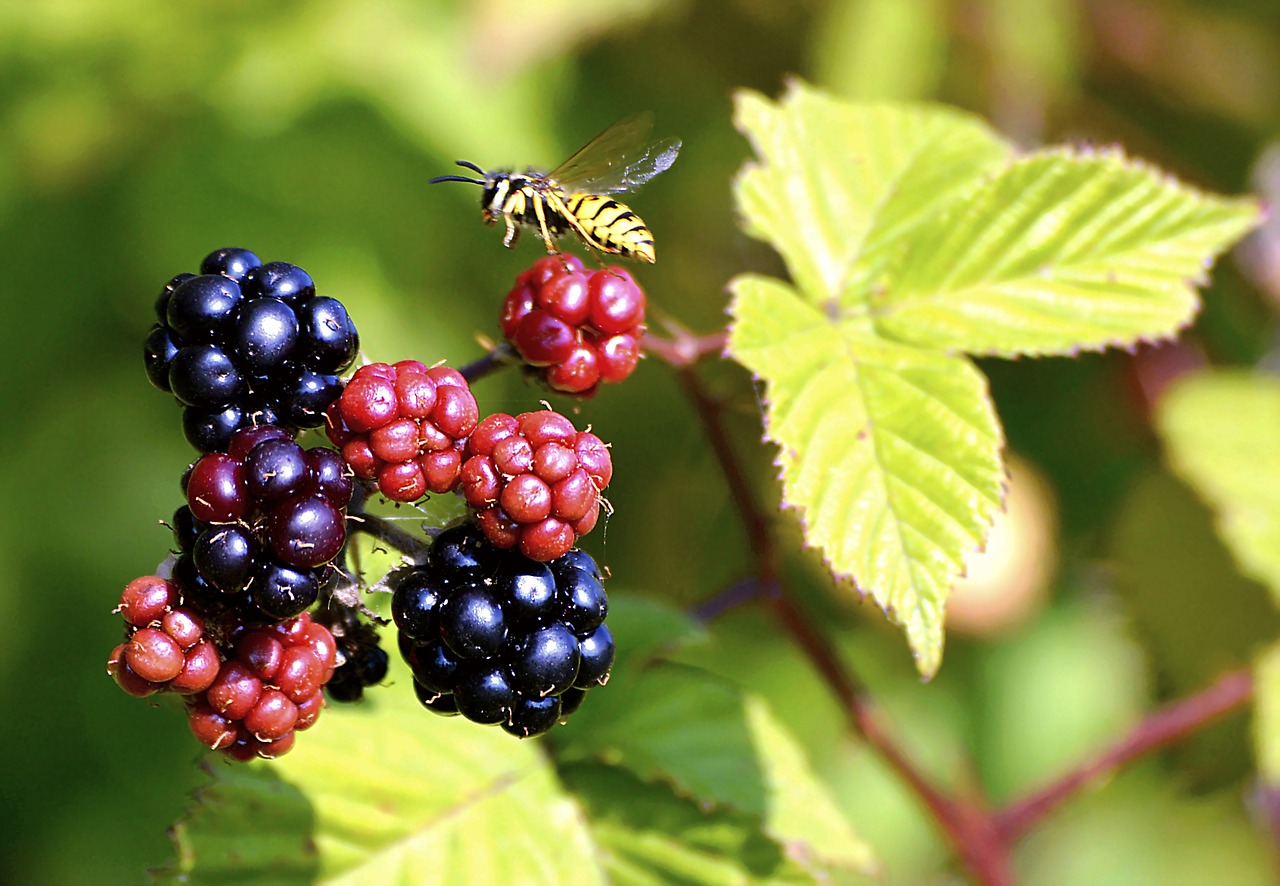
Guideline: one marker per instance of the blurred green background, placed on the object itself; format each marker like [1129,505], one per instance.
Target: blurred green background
[138,135]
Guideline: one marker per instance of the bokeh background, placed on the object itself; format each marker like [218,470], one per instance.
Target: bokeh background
[138,135]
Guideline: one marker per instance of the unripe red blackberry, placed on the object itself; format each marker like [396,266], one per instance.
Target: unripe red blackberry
[535,481]
[404,424]
[575,328]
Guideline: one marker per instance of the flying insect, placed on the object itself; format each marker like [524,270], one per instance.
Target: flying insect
[574,197]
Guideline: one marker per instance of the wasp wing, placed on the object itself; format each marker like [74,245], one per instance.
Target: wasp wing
[617,159]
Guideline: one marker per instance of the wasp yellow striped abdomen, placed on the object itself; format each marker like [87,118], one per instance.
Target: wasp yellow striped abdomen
[573,197]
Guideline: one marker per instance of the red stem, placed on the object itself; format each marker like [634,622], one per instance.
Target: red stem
[1157,730]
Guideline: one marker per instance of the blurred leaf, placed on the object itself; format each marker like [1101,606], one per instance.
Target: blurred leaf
[648,836]
[881,49]
[1221,430]
[1196,613]
[1142,829]
[1052,695]
[511,35]
[1266,715]
[802,815]
[1034,49]
[385,793]
[911,235]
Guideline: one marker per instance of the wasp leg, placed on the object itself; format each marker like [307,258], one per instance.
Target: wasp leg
[512,235]
[539,210]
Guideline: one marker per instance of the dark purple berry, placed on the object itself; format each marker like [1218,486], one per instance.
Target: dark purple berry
[186,528]
[230,262]
[281,591]
[484,695]
[415,603]
[571,700]
[442,703]
[197,593]
[224,555]
[546,662]
[576,559]
[434,666]
[162,300]
[330,340]
[203,375]
[345,685]
[328,475]
[582,600]
[282,280]
[158,352]
[203,307]
[307,396]
[275,470]
[264,336]
[533,716]
[528,590]
[471,622]
[306,531]
[460,551]
[597,657]
[209,430]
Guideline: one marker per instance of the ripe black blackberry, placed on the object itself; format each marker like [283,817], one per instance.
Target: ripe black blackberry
[245,343]
[501,638]
[361,659]
[261,523]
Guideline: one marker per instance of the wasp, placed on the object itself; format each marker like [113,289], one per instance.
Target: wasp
[574,197]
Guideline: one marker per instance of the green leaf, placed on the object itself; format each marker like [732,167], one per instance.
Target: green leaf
[1058,252]
[891,452]
[670,723]
[802,815]
[385,792]
[913,236]
[1221,430]
[1266,715]
[838,186]
[649,836]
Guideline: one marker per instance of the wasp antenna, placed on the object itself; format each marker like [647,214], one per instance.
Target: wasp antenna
[455,178]
[467,164]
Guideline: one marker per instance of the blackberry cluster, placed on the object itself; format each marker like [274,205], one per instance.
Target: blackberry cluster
[247,692]
[404,425]
[535,481]
[362,661]
[576,329]
[245,343]
[500,638]
[261,523]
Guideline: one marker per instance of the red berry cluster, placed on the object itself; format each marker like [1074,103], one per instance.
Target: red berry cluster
[268,689]
[405,426]
[535,481]
[581,329]
[246,692]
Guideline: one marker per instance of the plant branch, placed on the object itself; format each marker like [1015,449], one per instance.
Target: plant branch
[500,357]
[1156,731]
